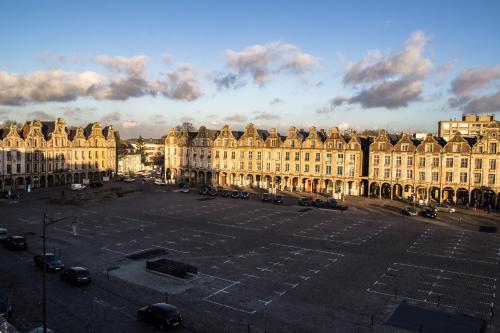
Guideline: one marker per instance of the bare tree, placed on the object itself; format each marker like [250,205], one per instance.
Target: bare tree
[186,126]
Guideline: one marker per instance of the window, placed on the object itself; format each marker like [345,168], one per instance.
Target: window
[491,179]
[224,154]
[398,173]
[9,169]
[277,167]
[273,142]
[387,160]
[435,162]
[493,164]
[241,166]
[404,147]
[449,177]
[278,156]
[381,146]
[339,145]
[307,157]
[457,148]
[387,173]
[493,148]
[233,155]
[259,155]
[421,176]
[250,165]
[463,177]
[268,166]
[449,162]
[352,158]
[428,148]
[313,143]
[287,167]
[306,167]
[317,168]
[297,156]
[375,172]
[216,154]
[328,170]
[398,160]
[340,170]
[375,159]
[242,154]
[328,157]
[409,161]
[409,174]
[318,157]
[477,178]
[297,167]
[250,154]
[479,163]
[287,156]
[435,176]
[421,162]
[340,158]
[351,172]
[464,163]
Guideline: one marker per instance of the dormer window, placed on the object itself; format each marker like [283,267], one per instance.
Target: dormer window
[456,148]
[404,147]
[313,143]
[381,146]
[339,145]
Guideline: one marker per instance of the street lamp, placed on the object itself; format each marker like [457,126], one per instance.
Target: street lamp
[45,224]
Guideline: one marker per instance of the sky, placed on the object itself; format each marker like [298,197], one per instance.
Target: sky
[146,66]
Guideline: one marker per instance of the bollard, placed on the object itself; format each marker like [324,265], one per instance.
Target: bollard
[373,319]
[395,293]
[107,273]
[439,300]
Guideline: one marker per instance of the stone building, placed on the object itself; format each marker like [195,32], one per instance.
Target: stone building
[471,125]
[46,154]
[461,170]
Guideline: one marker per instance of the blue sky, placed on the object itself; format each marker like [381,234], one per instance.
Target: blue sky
[149,65]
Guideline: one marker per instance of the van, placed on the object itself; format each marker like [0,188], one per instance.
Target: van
[77,187]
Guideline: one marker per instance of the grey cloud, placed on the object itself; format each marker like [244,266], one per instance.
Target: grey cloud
[389,94]
[263,61]
[264,115]
[40,115]
[276,101]
[181,83]
[484,104]
[339,100]
[228,81]
[332,104]
[237,118]
[474,79]
[111,117]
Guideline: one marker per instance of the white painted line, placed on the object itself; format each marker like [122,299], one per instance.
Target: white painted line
[71,232]
[265,302]
[234,226]
[113,251]
[230,307]
[213,233]
[169,249]
[216,277]
[222,289]
[306,249]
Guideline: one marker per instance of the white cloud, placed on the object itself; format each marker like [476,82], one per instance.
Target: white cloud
[237,118]
[111,117]
[129,124]
[181,83]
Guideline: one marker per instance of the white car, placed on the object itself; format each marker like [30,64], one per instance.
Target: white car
[159,182]
[129,180]
[77,187]
[3,234]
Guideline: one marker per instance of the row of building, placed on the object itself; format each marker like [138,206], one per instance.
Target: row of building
[46,154]
[462,169]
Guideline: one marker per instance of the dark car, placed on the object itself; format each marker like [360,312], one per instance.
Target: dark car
[244,195]
[15,243]
[225,194]
[96,184]
[51,262]
[213,191]
[11,195]
[204,190]
[265,197]
[428,212]
[318,203]
[305,201]
[161,315]
[235,194]
[5,307]
[409,211]
[77,276]
[331,203]
[278,199]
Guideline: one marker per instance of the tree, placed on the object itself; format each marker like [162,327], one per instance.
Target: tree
[141,148]
[121,148]
[8,122]
[186,126]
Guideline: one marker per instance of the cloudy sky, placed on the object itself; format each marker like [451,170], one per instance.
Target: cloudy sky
[146,66]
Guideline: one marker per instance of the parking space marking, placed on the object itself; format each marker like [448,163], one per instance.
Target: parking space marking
[469,293]
[170,249]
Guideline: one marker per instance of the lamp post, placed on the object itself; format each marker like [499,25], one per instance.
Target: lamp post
[45,224]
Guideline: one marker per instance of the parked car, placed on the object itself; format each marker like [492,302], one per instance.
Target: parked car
[77,187]
[319,203]
[11,195]
[50,260]
[39,329]
[278,199]
[129,180]
[77,276]
[161,315]
[5,307]
[445,208]
[185,189]
[3,234]
[266,197]
[428,212]
[96,184]
[235,194]
[305,201]
[213,192]
[244,195]
[410,211]
[331,203]
[15,243]
[225,194]
[204,190]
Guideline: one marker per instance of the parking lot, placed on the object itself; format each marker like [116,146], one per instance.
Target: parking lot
[261,267]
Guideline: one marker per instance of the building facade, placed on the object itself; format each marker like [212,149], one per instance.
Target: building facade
[461,169]
[130,164]
[471,125]
[46,154]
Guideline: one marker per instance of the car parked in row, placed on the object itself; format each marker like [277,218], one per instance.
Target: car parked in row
[3,234]
[409,211]
[77,187]
[161,315]
[225,194]
[50,260]
[15,243]
[445,208]
[235,194]
[278,199]
[305,201]
[428,212]
[244,195]
[265,197]
[77,276]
